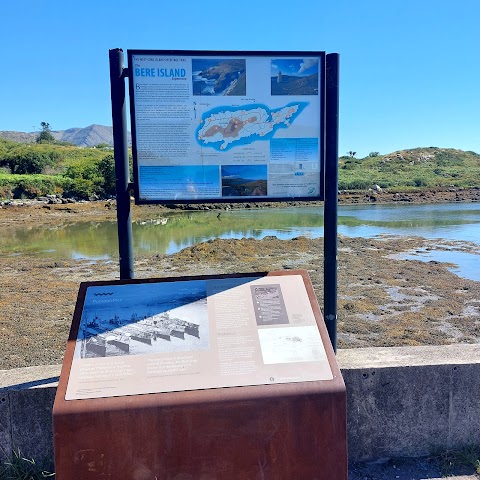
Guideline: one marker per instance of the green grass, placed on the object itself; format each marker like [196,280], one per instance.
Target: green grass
[22,468]
[450,461]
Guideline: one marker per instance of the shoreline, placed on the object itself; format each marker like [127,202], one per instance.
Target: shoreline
[382,300]
[55,209]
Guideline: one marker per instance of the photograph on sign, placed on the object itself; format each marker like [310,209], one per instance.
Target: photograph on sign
[195,334]
[212,126]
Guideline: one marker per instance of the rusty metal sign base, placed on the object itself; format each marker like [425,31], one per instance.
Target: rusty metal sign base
[267,432]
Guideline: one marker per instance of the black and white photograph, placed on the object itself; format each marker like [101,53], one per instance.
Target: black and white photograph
[143,319]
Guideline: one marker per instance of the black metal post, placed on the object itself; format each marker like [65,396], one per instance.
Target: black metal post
[122,171]
[331,197]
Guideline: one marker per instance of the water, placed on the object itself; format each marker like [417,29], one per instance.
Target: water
[176,230]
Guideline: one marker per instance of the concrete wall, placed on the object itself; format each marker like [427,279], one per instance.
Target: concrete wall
[408,401]
[26,402]
[411,401]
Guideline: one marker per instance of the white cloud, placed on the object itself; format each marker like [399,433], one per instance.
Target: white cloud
[307,63]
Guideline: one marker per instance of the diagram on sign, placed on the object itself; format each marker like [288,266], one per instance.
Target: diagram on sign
[225,127]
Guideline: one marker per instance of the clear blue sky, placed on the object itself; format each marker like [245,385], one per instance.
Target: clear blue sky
[410,69]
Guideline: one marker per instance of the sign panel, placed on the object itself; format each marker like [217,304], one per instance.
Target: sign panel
[227,126]
[195,334]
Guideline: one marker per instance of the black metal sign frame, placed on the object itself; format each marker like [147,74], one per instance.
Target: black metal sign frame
[329,170]
[224,159]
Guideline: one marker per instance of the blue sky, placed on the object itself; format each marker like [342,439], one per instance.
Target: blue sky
[410,69]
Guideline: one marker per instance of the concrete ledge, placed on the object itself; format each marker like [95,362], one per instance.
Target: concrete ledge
[411,401]
[402,402]
[26,402]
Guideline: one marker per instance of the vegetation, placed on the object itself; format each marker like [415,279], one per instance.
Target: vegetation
[420,168]
[31,170]
[45,135]
[89,178]
[450,460]
[32,186]
[23,159]
[21,468]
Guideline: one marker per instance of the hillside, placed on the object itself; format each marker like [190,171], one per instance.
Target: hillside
[429,167]
[33,170]
[82,137]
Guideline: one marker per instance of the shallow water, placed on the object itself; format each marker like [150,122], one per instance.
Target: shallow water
[176,230]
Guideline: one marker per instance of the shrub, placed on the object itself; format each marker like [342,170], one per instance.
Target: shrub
[92,177]
[25,160]
[420,182]
[354,185]
[30,186]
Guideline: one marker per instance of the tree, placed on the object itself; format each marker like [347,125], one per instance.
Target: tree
[374,154]
[351,154]
[107,168]
[45,136]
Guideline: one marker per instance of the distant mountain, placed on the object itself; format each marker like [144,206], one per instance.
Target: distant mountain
[83,137]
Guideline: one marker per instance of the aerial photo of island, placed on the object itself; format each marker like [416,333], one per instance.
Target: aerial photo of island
[244,180]
[294,76]
[219,77]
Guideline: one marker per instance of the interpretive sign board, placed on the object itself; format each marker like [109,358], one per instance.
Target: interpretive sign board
[218,377]
[195,334]
[227,126]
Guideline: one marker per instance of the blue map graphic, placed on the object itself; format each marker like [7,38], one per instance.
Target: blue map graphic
[226,127]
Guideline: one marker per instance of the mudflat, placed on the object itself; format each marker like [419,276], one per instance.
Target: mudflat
[383,300]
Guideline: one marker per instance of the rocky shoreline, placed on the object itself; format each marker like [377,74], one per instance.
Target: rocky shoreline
[53,208]
[377,195]
[383,300]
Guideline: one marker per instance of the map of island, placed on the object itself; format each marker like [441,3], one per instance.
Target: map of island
[225,127]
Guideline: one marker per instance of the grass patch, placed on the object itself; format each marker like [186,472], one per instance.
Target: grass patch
[451,461]
[22,468]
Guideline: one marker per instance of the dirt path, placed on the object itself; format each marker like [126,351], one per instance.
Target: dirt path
[382,301]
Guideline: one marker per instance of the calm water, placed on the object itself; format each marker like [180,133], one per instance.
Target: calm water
[174,231]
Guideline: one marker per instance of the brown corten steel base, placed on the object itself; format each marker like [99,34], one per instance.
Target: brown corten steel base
[294,431]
